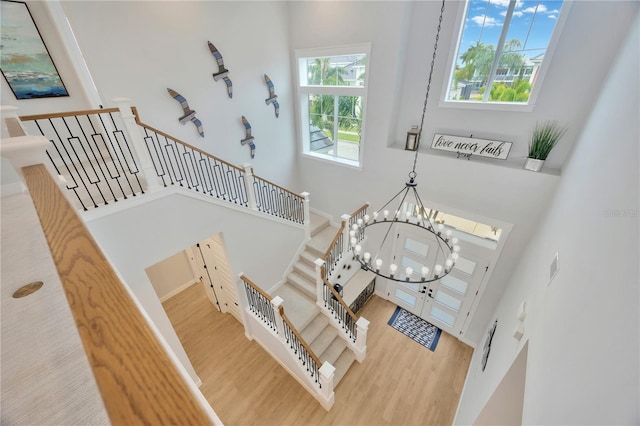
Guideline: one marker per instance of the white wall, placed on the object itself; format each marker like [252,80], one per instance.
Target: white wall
[139,49]
[138,237]
[170,275]
[402,36]
[583,327]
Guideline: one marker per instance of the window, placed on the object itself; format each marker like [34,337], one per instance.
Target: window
[332,91]
[500,55]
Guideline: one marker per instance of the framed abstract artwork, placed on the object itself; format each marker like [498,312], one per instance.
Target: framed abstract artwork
[24,58]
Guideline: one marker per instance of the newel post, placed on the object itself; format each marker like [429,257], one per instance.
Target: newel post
[327,373]
[278,309]
[346,238]
[319,282]
[23,151]
[11,122]
[248,186]
[307,216]
[140,150]
[362,327]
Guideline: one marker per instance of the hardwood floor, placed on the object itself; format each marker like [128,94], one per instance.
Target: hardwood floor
[399,383]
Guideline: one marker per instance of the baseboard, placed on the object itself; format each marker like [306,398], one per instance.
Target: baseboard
[9,189]
[178,290]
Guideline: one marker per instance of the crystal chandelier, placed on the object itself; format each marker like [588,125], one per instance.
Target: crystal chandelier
[403,210]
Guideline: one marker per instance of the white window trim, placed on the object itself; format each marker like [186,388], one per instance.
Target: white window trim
[500,106]
[303,91]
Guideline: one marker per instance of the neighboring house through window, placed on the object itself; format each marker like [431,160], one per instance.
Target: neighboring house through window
[500,55]
[332,93]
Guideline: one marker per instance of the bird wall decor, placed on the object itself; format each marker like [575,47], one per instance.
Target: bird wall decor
[248,138]
[222,73]
[189,114]
[273,98]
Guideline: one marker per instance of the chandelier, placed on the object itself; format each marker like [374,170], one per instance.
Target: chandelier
[403,210]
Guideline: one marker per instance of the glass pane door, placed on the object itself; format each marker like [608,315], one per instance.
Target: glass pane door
[449,300]
[411,251]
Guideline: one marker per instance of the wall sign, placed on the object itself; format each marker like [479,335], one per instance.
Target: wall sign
[466,147]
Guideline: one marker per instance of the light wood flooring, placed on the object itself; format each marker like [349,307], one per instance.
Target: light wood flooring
[399,383]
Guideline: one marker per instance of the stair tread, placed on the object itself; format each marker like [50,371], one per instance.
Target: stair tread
[342,365]
[318,223]
[321,241]
[324,339]
[314,328]
[309,258]
[304,269]
[303,284]
[297,306]
[333,351]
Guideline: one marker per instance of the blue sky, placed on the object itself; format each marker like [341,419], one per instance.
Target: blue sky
[532,23]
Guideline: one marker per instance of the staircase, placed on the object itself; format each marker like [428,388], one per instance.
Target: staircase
[299,295]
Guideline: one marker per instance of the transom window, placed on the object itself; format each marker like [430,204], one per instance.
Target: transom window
[332,90]
[500,56]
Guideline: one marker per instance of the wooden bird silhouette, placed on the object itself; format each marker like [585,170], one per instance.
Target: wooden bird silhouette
[248,139]
[273,98]
[222,73]
[189,114]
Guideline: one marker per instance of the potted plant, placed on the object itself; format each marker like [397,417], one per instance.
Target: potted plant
[543,138]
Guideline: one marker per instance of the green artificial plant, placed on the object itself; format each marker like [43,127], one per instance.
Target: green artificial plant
[543,138]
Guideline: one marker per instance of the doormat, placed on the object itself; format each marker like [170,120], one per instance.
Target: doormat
[415,327]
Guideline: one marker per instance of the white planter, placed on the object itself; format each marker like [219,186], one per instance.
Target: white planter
[533,164]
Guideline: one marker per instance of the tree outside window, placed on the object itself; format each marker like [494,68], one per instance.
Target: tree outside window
[333,94]
[501,49]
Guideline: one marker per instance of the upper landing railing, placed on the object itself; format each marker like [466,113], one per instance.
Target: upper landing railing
[108,155]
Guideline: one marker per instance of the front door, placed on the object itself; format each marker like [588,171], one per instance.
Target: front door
[413,250]
[449,299]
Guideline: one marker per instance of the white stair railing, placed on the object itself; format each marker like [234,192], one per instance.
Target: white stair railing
[354,329]
[266,322]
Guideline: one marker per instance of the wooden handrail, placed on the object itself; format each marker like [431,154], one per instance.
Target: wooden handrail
[67,114]
[299,337]
[277,186]
[166,135]
[138,381]
[337,295]
[333,242]
[360,210]
[258,289]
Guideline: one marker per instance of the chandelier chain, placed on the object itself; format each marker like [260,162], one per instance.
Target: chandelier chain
[426,98]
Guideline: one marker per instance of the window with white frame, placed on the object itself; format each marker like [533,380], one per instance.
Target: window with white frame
[500,55]
[332,93]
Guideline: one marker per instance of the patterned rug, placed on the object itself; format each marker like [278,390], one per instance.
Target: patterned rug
[415,327]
